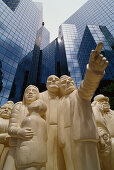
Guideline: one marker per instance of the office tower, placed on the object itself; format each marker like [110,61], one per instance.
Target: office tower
[48,63]
[45,37]
[93,12]
[100,15]
[92,35]
[68,37]
[19,23]
[29,67]
[12,4]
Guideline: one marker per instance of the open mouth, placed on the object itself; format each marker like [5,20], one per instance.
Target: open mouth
[54,85]
[70,86]
[30,96]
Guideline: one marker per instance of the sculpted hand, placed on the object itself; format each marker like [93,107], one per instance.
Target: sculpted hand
[97,61]
[25,133]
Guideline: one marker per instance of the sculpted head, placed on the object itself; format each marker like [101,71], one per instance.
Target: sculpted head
[67,85]
[5,110]
[31,94]
[53,84]
[103,102]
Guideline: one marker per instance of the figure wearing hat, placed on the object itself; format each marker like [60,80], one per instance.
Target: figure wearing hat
[104,117]
[5,113]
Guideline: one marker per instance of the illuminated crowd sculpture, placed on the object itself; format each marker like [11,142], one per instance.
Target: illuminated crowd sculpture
[57,129]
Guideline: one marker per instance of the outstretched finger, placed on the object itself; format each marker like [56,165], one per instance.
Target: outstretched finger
[99,47]
[29,132]
[28,129]
[28,136]
[92,56]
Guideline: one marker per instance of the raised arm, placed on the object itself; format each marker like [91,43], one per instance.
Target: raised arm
[94,73]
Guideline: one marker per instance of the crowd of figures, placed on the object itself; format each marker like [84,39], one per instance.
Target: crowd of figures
[60,129]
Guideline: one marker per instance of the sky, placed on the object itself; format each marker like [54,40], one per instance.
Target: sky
[55,12]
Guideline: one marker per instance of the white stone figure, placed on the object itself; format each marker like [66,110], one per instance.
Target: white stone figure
[79,117]
[5,112]
[51,97]
[33,151]
[67,86]
[104,117]
[19,112]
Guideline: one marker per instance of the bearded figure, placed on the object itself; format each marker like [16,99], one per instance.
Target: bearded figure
[104,117]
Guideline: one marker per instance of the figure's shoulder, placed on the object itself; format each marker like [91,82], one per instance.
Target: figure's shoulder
[44,95]
[74,93]
[112,111]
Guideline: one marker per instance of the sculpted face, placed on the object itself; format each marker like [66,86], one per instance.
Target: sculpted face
[105,104]
[31,94]
[67,85]
[5,110]
[102,102]
[53,84]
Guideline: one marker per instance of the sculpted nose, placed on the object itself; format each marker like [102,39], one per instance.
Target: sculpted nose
[53,79]
[30,92]
[68,81]
[6,109]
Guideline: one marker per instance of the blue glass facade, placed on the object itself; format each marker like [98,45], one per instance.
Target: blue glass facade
[18,31]
[45,38]
[12,4]
[93,35]
[69,35]
[93,12]
[98,15]
[29,67]
[24,42]
[21,78]
[48,62]
[42,40]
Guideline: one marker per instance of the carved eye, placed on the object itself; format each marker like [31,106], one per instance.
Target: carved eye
[50,79]
[63,81]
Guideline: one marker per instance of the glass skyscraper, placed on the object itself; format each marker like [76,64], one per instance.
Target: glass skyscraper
[93,12]
[70,39]
[93,23]
[19,23]
[93,35]
[12,4]
[25,40]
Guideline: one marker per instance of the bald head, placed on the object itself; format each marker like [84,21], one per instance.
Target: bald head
[5,110]
[67,85]
[53,84]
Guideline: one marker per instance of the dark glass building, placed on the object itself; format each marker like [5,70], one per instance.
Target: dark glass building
[93,12]
[81,32]
[93,35]
[19,23]
[12,4]
[29,68]
[27,42]
[69,39]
